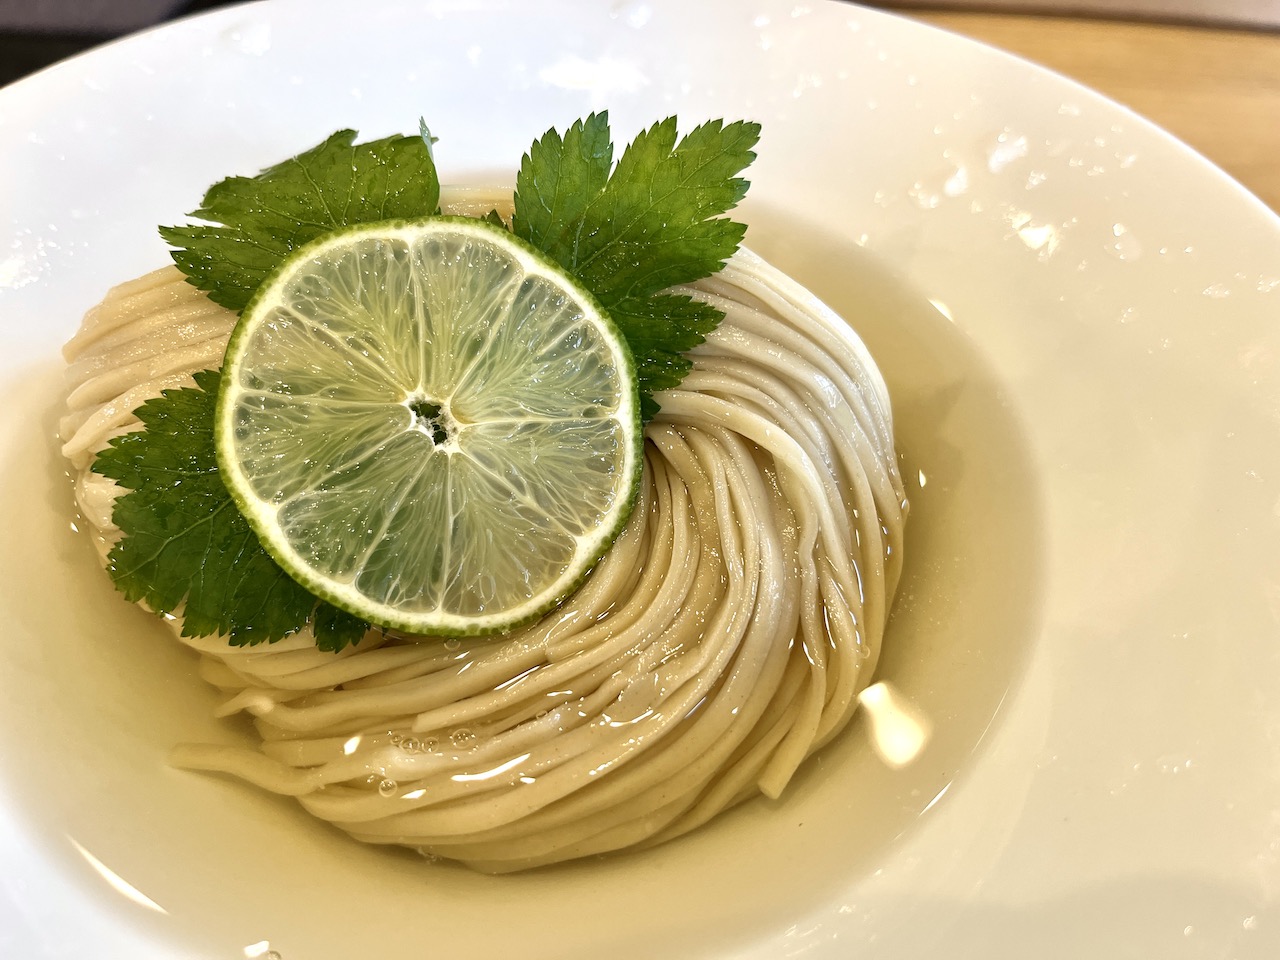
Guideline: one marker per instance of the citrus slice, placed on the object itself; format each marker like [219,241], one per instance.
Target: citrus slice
[430,425]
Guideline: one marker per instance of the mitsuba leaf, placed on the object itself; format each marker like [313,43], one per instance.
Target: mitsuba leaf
[253,223]
[657,328]
[630,232]
[186,547]
[558,179]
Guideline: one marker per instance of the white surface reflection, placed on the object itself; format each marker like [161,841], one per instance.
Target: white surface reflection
[117,882]
[900,730]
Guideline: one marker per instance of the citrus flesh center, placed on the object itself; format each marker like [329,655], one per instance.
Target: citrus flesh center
[429,425]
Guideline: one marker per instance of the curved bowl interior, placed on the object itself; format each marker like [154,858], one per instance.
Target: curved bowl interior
[1075,315]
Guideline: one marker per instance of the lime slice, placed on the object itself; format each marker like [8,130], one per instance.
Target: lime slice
[429,425]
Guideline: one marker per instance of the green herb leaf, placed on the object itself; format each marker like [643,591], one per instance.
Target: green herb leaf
[185,544]
[558,179]
[628,232]
[651,223]
[256,222]
[659,329]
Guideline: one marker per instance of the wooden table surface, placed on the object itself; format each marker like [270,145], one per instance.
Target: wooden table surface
[1217,90]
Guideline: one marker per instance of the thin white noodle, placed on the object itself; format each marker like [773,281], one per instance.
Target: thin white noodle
[720,642]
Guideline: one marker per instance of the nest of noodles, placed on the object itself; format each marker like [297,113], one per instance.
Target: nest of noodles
[722,640]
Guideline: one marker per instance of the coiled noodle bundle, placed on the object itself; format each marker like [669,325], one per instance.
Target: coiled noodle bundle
[722,640]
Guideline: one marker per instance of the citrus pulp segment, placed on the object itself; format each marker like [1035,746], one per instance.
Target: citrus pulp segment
[430,425]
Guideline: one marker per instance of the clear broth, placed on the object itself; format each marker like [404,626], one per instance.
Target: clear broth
[95,692]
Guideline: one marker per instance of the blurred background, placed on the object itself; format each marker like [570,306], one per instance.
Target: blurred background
[36,33]
[1206,70]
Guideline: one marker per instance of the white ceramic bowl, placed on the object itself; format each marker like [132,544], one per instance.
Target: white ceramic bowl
[1077,317]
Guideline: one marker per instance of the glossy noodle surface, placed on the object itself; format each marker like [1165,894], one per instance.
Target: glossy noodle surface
[721,641]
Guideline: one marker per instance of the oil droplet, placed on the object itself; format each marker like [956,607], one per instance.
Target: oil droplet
[1125,246]
[957,183]
[453,643]
[1007,149]
[462,737]
[925,199]
[387,787]
[1042,238]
